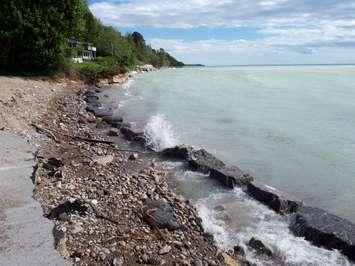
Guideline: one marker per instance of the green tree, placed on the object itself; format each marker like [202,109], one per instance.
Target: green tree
[33,33]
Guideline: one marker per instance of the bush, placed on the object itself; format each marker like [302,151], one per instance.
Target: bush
[102,67]
[90,70]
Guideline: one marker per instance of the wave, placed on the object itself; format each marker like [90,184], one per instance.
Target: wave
[159,133]
[263,224]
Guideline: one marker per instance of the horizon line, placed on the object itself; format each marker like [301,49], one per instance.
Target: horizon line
[320,64]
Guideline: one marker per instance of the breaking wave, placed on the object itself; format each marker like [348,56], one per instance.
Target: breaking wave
[263,224]
[159,133]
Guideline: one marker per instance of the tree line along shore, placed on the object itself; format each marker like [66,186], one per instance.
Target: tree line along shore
[42,38]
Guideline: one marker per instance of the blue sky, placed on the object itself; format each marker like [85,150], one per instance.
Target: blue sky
[221,32]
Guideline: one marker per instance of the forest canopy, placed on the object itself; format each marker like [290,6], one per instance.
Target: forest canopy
[34,34]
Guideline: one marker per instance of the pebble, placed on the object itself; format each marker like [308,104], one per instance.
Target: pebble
[117,262]
[166,249]
[133,156]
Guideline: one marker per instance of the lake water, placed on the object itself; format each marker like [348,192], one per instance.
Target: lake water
[291,127]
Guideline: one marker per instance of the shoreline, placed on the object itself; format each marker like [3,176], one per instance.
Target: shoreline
[84,173]
[321,228]
[112,205]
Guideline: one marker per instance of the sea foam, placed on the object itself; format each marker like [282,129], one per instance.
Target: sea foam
[265,225]
[159,133]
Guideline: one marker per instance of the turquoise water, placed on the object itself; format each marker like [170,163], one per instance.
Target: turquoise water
[291,127]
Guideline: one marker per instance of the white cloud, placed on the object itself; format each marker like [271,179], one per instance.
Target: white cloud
[302,27]
[212,13]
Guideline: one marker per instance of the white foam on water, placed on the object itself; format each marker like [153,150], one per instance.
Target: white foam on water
[159,133]
[265,225]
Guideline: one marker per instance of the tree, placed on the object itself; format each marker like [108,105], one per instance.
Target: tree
[33,33]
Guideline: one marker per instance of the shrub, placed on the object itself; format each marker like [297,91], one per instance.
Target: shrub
[90,70]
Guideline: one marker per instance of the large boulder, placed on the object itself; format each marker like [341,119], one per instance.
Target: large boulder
[102,112]
[325,230]
[181,152]
[132,134]
[198,160]
[160,214]
[260,247]
[230,176]
[203,161]
[115,120]
[278,201]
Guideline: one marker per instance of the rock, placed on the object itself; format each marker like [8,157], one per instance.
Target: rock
[113,132]
[77,229]
[68,207]
[325,230]
[145,68]
[166,249]
[60,241]
[203,161]
[133,156]
[228,260]
[198,160]
[276,200]
[119,79]
[117,262]
[103,112]
[113,120]
[239,251]
[219,208]
[259,246]
[52,165]
[230,176]
[103,160]
[133,135]
[178,152]
[92,98]
[160,214]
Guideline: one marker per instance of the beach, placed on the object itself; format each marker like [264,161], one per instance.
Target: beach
[117,194]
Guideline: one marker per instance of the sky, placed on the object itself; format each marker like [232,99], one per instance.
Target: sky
[239,32]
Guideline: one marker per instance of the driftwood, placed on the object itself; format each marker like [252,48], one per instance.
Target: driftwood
[50,133]
[46,131]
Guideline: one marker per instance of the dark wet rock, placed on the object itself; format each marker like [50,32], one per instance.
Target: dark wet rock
[104,112]
[133,156]
[92,107]
[230,176]
[113,132]
[91,98]
[178,152]
[203,161]
[219,208]
[278,201]
[325,230]
[68,207]
[133,135]
[198,160]
[113,119]
[160,214]
[239,251]
[52,165]
[259,247]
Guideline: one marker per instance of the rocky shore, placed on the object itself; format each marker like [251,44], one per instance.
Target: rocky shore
[317,226]
[112,205]
[108,196]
